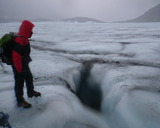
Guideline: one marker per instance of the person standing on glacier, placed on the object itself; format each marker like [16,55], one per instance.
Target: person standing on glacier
[21,58]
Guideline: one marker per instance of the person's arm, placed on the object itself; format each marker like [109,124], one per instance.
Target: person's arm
[17,54]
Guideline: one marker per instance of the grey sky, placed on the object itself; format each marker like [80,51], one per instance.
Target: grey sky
[106,10]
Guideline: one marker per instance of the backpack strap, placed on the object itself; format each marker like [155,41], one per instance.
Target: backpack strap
[17,47]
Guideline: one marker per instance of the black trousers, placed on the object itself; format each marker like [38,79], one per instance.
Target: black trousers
[20,79]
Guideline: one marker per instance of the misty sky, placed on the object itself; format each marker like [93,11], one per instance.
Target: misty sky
[106,10]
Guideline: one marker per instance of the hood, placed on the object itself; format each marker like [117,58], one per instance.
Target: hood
[25,29]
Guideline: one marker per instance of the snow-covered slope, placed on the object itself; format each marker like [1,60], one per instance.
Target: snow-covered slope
[125,66]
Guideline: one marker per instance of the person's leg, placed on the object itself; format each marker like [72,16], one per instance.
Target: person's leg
[29,83]
[29,80]
[19,84]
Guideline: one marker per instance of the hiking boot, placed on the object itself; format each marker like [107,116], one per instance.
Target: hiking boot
[24,104]
[34,93]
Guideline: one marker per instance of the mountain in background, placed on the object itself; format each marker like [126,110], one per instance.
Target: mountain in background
[75,19]
[8,18]
[82,20]
[152,15]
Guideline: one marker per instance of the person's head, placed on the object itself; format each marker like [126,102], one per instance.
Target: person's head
[26,29]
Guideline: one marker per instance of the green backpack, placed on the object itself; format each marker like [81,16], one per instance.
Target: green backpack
[6,47]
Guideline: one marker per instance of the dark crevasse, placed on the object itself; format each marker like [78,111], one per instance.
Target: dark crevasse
[89,91]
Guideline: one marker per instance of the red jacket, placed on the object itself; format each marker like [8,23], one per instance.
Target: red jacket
[21,51]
